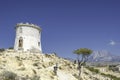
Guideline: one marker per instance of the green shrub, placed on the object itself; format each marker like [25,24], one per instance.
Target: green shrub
[110,76]
[10,47]
[34,71]
[113,68]
[7,75]
[92,69]
[35,77]
[36,64]
[20,63]
[47,55]
[60,68]
[51,63]
[43,66]
[86,73]
[22,69]
[75,75]
[2,49]
[52,77]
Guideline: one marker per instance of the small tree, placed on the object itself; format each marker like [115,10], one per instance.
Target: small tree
[2,49]
[10,47]
[84,53]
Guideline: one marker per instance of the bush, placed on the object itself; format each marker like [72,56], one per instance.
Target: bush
[60,67]
[111,76]
[22,68]
[47,55]
[2,49]
[92,69]
[75,75]
[86,73]
[36,64]
[107,75]
[7,75]
[43,66]
[20,63]
[113,68]
[35,77]
[10,47]
[51,63]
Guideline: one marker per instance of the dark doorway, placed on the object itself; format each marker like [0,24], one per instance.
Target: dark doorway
[20,42]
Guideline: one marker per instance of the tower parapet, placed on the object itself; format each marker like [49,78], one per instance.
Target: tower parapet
[28,25]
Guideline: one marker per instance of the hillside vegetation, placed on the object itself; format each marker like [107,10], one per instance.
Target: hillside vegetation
[38,66]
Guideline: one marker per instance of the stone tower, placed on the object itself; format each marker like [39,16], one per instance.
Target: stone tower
[28,38]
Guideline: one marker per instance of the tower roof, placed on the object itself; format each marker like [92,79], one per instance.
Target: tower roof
[28,25]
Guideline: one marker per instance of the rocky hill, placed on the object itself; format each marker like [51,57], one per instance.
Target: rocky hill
[37,66]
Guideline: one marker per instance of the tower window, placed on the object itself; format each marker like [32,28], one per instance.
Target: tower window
[38,43]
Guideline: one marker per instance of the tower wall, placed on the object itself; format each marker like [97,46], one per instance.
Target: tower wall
[28,37]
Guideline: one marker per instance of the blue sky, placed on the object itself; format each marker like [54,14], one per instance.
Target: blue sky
[66,24]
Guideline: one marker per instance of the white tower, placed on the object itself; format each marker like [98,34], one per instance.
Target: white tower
[28,37]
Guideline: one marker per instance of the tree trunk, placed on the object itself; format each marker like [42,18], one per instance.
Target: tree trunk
[79,68]
[79,77]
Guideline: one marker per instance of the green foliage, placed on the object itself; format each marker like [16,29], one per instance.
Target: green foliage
[60,67]
[48,56]
[83,51]
[20,63]
[2,49]
[34,71]
[113,68]
[44,66]
[36,64]
[106,75]
[110,76]
[86,73]
[76,76]
[22,68]
[10,47]
[35,77]
[93,69]
[7,75]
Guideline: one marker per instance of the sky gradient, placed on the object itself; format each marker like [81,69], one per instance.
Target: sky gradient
[66,24]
